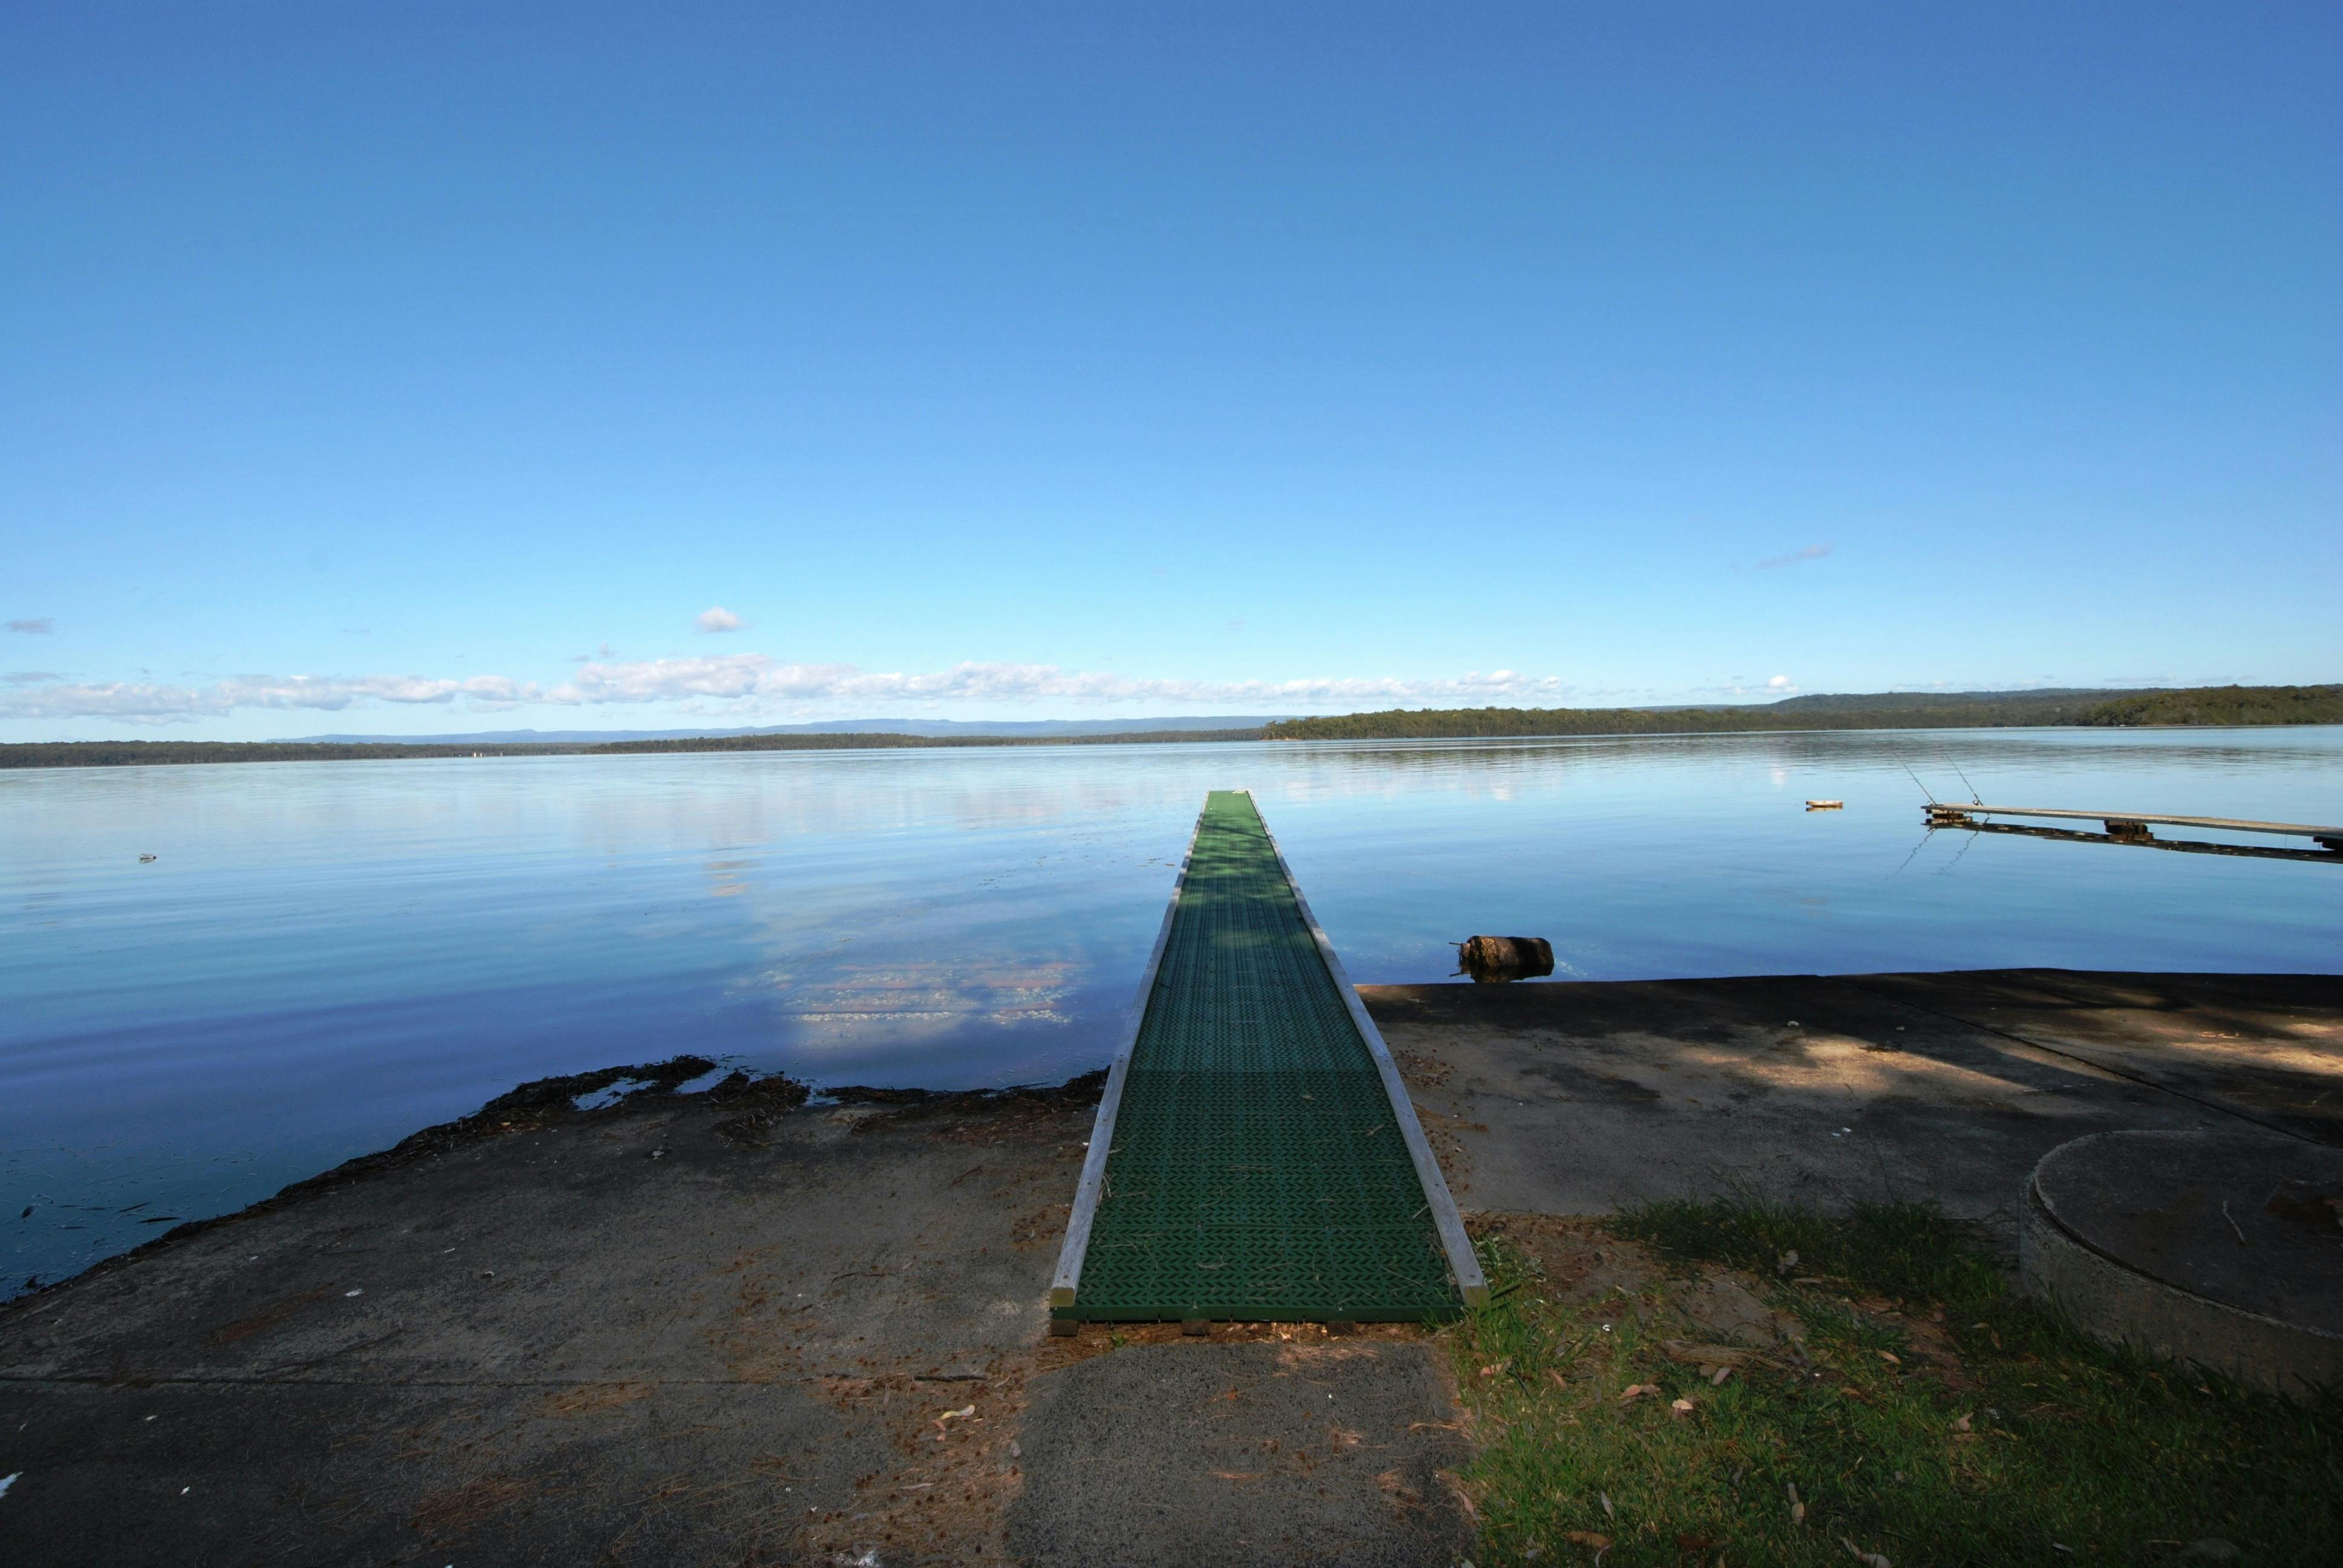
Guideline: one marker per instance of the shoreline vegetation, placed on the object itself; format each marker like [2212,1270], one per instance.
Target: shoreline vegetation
[2183,708]
[2188,707]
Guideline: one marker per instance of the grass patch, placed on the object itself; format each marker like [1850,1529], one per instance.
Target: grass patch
[1925,1414]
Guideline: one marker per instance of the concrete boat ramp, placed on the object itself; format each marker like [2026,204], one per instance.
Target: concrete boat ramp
[738,1328]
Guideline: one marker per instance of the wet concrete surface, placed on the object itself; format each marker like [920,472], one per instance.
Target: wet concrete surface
[691,1330]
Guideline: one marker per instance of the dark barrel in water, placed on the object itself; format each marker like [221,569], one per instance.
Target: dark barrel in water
[1496,958]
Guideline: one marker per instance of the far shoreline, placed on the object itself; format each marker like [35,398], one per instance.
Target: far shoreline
[2193,708]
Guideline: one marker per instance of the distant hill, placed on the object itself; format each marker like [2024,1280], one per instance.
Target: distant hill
[925,727]
[2212,705]
[826,742]
[155,753]
[1917,701]
[2193,705]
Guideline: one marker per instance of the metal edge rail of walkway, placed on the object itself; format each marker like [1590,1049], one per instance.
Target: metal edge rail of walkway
[1448,1225]
[1955,814]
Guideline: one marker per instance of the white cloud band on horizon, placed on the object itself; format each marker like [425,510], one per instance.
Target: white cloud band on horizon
[140,701]
[755,681]
[755,675]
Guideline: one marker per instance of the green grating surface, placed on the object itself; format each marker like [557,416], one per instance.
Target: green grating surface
[1257,1171]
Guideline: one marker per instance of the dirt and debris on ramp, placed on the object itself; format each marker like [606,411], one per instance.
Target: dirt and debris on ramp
[1306,1450]
[724,1327]
[708,1327]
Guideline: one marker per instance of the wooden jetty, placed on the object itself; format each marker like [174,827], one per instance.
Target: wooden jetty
[2128,825]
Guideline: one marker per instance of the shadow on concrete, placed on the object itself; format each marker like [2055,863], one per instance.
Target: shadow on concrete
[1945,1088]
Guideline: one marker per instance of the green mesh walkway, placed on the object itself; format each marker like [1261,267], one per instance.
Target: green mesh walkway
[1257,1171]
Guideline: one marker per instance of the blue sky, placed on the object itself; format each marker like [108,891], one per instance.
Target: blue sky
[407,368]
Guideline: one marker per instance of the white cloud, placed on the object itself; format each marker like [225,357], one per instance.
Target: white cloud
[752,675]
[1775,686]
[716,617]
[140,701]
[1811,553]
[732,682]
[660,679]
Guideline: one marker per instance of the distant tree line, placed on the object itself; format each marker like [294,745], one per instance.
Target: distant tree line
[2194,706]
[2224,705]
[2216,705]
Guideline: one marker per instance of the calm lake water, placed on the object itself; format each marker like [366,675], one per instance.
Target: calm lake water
[324,957]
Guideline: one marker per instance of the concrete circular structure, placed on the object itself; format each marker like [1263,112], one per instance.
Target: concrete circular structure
[2217,1247]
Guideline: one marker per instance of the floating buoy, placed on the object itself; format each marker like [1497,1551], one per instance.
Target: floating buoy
[1826,805]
